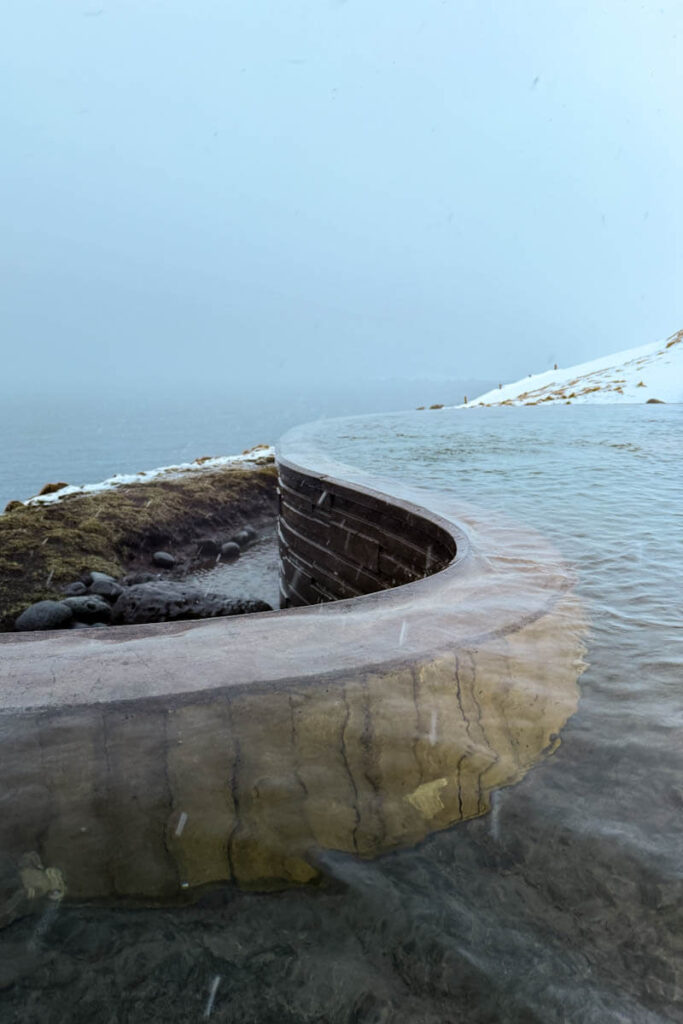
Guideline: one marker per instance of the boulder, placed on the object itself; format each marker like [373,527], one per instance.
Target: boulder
[89,608]
[163,559]
[230,551]
[165,601]
[45,615]
[245,536]
[74,589]
[106,588]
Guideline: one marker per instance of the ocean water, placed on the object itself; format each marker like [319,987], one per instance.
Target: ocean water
[89,435]
[565,902]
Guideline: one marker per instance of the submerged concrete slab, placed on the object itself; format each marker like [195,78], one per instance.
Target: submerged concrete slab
[146,762]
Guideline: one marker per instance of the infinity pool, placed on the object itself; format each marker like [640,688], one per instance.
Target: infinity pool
[564,902]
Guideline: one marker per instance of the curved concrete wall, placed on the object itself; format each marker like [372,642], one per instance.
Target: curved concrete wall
[143,762]
[338,541]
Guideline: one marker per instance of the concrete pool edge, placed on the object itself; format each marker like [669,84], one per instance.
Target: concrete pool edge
[102,769]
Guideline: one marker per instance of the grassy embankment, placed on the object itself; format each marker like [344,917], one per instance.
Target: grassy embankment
[45,546]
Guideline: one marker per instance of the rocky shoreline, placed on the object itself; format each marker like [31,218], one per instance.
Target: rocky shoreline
[123,554]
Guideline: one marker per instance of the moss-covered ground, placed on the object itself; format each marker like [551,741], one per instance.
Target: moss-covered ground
[45,546]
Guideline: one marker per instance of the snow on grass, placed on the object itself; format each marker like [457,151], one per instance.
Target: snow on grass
[635,375]
[253,456]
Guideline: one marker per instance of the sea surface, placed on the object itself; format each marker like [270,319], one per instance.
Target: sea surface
[90,434]
[565,902]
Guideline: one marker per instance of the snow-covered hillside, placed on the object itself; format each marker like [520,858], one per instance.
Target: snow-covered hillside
[635,375]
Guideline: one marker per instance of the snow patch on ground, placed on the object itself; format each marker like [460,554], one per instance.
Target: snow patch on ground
[252,457]
[632,376]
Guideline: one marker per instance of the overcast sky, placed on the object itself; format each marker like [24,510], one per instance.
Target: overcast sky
[433,188]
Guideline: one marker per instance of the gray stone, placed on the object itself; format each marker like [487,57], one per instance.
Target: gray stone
[94,576]
[74,589]
[45,615]
[106,588]
[163,559]
[165,601]
[89,608]
[230,551]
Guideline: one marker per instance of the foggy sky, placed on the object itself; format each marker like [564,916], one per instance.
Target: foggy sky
[197,189]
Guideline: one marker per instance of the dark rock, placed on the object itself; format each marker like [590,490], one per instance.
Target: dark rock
[163,559]
[95,576]
[74,589]
[230,551]
[90,608]
[12,505]
[207,548]
[655,401]
[45,615]
[164,601]
[88,625]
[106,588]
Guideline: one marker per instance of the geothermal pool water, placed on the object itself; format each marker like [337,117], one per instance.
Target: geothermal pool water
[565,902]
[253,576]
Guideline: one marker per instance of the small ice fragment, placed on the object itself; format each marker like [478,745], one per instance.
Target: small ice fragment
[322,499]
[432,729]
[182,821]
[212,995]
[184,885]
[48,581]
[402,634]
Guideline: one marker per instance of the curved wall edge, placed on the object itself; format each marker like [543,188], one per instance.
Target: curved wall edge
[151,761]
